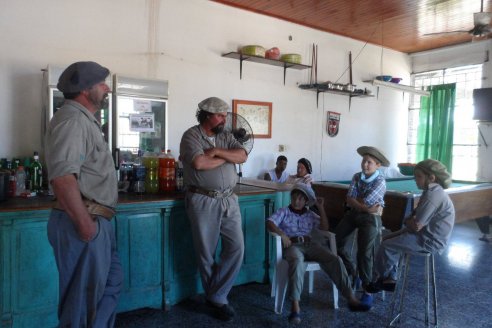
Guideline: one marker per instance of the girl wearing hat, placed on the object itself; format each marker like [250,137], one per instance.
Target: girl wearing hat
[303,175]
[428,229]
[294,225]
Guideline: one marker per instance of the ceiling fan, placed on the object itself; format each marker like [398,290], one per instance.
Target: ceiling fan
[481,25]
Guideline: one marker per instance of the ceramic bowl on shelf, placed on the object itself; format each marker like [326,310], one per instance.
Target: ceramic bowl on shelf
[395,80]
[291,58]
[385,78]
[253,50]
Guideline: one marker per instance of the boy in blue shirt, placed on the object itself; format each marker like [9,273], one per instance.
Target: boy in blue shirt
[294,225]
[428,229]
[365,199]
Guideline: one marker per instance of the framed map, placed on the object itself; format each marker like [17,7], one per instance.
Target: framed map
[257,113]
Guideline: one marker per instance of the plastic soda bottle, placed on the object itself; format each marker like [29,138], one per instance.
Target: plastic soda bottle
[20,179]
[170,172]
[151,163]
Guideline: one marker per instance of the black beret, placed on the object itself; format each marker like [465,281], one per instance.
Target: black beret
[80,76]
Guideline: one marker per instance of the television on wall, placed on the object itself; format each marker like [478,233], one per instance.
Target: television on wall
[482,102]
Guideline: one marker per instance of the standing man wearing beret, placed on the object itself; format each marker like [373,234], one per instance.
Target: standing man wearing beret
[365,198]
[81,172]
[209,156]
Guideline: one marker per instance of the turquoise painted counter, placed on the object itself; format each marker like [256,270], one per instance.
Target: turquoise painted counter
[154,244]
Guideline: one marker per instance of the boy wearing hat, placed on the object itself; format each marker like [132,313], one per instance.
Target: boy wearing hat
[294,225]
[428,229]
[365,199]
[81,172]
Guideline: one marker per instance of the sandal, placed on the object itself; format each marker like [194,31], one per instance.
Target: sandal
[295,318]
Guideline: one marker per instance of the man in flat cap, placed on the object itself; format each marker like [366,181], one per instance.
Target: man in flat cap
[209,156]
[365,199]
[82,175]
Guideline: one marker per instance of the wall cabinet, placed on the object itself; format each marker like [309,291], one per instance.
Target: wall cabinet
[156,251]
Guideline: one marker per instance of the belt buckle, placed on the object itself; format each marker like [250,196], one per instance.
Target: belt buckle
[214,194]
[300,239]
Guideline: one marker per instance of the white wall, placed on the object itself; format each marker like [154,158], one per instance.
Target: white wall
[182,42]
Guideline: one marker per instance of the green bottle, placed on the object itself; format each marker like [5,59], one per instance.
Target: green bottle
[36,174]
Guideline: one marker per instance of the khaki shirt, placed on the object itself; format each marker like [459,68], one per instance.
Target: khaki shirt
[75,145]
[193,143]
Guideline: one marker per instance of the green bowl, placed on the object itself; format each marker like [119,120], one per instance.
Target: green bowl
[291,58]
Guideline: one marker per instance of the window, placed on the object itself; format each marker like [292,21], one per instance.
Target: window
[465,143]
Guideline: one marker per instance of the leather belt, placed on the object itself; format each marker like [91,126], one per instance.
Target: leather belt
[300,239]
[210,193]
[93,208]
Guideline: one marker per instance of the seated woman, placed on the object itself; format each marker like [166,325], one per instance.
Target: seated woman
[278,174]
[304,171]
[294,225]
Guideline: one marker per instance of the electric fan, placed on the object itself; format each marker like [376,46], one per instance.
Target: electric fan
[242,132]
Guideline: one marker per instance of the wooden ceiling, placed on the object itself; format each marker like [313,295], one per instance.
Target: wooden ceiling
[396,24]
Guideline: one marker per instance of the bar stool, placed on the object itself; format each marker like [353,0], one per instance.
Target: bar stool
[398,295]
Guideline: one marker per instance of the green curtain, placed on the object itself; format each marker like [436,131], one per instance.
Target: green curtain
[436,125]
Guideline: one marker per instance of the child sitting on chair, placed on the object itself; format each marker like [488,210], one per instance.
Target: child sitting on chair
[427,230]
[294,225]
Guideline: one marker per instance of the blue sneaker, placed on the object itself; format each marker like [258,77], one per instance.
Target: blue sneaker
[366,299]
[365,304]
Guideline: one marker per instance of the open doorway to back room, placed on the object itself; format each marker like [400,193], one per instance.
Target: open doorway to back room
[465,136]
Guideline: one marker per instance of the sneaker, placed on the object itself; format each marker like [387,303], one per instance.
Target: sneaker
[486,238]
[295,318]
[366,299]
[224,312]
[376,287]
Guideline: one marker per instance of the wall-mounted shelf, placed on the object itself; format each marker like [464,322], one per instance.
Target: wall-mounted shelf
[323,88]
[262,60]
[400,87]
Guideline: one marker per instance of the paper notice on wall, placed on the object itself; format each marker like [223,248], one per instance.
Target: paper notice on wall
[142,106]
[142,122]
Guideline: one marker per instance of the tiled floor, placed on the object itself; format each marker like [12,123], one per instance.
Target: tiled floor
[464,275]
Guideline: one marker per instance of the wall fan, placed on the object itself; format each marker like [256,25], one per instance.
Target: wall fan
[481,25]
[242,132]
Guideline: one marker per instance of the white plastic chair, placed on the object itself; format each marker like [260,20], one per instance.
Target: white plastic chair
[281,276]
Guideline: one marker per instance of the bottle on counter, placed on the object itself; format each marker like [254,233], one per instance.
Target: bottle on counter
[36,173]
[27,165]
[20,180]
[167,178]
[12,183]
[139,174]
[179,176]
[162,171]
[151,163]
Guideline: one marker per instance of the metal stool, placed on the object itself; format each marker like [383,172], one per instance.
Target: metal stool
[399,293]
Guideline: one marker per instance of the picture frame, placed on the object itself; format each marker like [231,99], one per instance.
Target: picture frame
[257,113]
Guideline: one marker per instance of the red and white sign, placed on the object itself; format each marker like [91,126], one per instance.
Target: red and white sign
[332,123]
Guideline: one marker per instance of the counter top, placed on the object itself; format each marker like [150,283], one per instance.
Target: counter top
[46,202]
